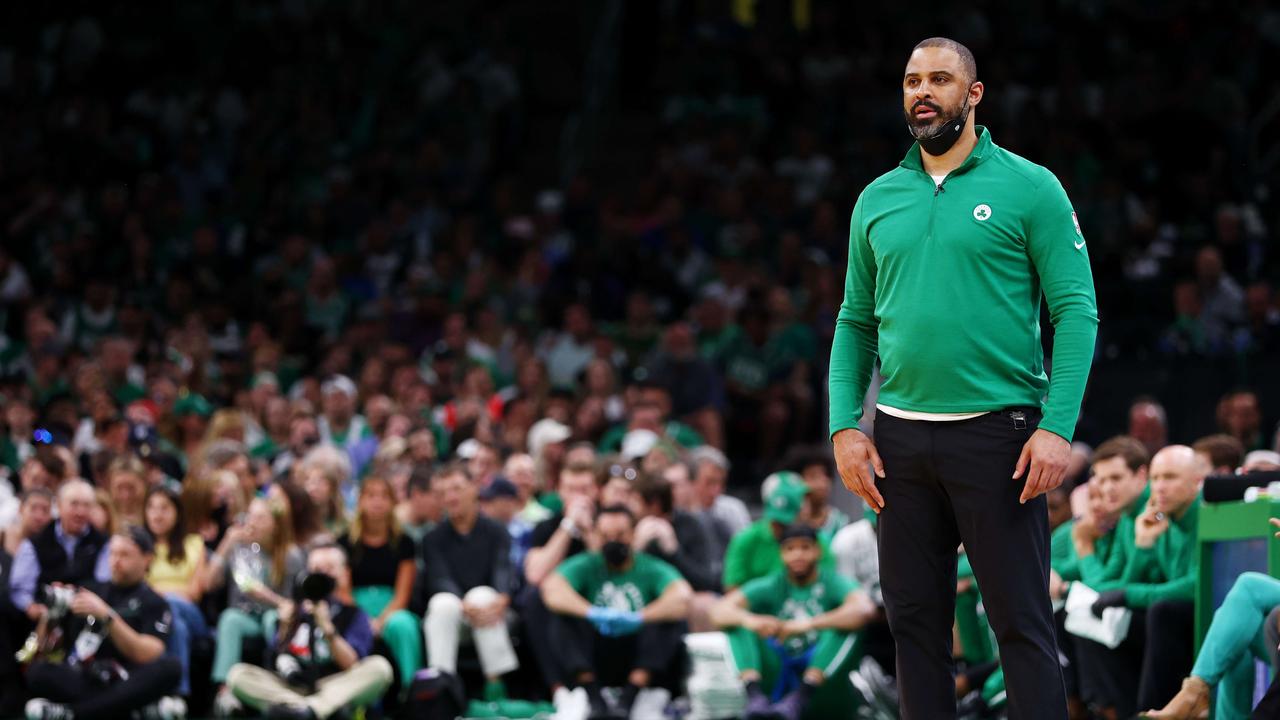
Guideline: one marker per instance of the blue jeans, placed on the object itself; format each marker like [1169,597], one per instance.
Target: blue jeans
[188,623]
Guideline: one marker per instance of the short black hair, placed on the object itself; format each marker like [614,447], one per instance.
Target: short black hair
[805,456]
[454,467]
[331,545]
[420,478]
[617,510]
[967,61]
[656,490]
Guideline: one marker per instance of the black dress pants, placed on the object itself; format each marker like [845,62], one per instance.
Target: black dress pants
[657,648]
[951,482]
[89,700]
[535,621]
[1109,678]
[1169,654]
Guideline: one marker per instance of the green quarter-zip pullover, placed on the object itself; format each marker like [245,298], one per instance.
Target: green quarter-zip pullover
[944,285]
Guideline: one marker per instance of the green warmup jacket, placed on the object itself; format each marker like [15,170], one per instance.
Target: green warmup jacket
[944,285]
[1104,569]
[1167,570]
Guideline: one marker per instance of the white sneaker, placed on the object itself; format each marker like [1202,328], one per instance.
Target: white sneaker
[41,709]
[226,703]
[166,708]
[571,704]
[650,704]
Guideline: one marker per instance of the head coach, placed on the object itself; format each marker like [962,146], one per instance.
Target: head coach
[949,255]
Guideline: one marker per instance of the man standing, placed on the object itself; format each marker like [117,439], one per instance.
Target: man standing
[949,254]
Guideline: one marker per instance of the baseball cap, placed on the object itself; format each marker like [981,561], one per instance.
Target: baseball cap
[339,383]
[499,487]
[140,536]
[637,443]
[264,377]
[545,432]
[192,404]
[783,496]
[468,449]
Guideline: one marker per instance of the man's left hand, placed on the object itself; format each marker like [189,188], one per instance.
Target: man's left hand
[798,626]
[323,619]
[86,603]
[1047,455]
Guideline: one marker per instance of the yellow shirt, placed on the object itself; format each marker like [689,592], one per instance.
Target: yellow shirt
[165,577]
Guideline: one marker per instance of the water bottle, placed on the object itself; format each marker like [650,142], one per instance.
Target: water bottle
[246,566]
[88,641]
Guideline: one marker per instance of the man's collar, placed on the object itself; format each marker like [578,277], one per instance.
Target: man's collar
[62,534]
[983,148]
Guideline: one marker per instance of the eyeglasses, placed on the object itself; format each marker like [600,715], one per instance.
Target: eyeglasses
[626,472]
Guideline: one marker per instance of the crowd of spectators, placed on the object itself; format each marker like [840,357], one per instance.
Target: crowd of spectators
[244,271]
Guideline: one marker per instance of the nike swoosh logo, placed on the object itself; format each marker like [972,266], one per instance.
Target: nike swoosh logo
[1079,244]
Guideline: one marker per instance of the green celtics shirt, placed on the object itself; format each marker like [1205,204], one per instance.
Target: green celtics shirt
[630,589]
[777,596]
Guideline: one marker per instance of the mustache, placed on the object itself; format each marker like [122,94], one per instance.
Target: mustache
[925,103]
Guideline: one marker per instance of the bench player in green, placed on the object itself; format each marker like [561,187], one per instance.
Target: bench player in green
[793,634]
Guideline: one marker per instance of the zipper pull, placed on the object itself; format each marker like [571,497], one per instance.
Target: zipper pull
[1019,420]
[938,189]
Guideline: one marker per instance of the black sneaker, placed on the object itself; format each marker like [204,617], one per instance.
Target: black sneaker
[284,711]
[757,706]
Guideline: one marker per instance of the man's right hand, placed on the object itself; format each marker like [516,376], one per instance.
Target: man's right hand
[854,451]
[581,512]
[1084,534]
[35,611]
[1150,526]
[763,625]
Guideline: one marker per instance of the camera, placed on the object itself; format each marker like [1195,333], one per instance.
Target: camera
[314,587]
[58,599]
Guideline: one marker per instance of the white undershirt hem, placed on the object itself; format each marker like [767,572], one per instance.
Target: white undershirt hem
[932,417]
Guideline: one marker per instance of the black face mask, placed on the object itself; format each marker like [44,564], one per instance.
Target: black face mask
[938,140]
[616,553]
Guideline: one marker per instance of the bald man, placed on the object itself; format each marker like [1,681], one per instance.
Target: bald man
[69,551]
[1158,584]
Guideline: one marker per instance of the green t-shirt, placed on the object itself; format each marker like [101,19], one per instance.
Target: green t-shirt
[776,595]
[266,448]
[631,589]
[754,553]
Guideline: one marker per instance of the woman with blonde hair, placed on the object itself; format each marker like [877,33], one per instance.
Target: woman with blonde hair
[258,560]
[127,486]
[103,513]
[323,473]
[382,572]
